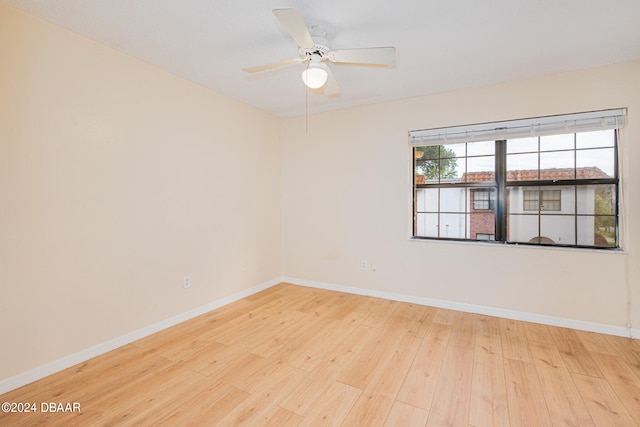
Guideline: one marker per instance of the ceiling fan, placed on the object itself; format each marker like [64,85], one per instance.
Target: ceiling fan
[313,48]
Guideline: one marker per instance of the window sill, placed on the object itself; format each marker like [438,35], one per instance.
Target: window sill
[494,244]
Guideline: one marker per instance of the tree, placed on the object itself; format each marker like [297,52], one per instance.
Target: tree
[604,220]
[435,161]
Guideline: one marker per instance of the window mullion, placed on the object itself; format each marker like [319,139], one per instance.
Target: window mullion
[501,190]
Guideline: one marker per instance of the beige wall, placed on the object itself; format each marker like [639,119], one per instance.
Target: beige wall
[346,198]
[116,180]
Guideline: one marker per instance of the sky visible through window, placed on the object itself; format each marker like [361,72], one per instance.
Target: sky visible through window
[594,149]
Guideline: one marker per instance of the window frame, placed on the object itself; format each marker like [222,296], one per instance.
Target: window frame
[501,185]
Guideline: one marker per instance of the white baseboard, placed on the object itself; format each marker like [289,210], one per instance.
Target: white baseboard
[89,353]
[477,309]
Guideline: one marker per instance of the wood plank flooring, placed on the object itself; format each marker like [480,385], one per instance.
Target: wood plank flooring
[297,356]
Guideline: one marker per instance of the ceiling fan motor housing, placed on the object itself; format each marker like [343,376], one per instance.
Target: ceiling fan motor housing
[320,48]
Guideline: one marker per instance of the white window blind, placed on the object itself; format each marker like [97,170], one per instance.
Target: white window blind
[524,128]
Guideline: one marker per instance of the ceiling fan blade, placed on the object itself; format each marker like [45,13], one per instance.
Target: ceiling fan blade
[271,66]
[331,87]
[371,55]
[292,21]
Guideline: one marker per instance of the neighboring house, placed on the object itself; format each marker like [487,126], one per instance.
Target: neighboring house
[540,215]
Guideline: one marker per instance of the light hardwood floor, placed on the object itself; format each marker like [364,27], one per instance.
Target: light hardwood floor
[296,356]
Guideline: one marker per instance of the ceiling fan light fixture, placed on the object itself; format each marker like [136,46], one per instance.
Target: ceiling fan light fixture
[314,76]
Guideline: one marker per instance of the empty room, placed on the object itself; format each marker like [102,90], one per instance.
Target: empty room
[292,213]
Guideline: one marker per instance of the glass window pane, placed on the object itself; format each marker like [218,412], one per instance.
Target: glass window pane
[522,167]
[545,200]
[515,198]
[483,199]
[482,236]
[426,167]
[480,169]
[427,200]
[597,231]
[453,226]
[522,145]
[481,148]
[482,223]
[451,169]
[453,150]
[601,138]
[419,179]
[606,232]
[430,152]
[596,199]
[557,200]
[453,200]
[428,178]
[557,142]
[595,163]
[557,165]
[558,228]
[586,230]
[531,200]
[522,228]
[426,225]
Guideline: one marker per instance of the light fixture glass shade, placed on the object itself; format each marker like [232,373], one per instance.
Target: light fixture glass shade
[314,77]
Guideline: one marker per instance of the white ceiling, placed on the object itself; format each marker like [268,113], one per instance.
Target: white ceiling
[441,45]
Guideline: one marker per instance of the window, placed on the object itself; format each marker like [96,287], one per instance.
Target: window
[543,200]
[483,199]
[531,199]
[559,187]
[448,178]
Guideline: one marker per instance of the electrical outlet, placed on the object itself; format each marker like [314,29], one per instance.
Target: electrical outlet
[364,264]
[186,283]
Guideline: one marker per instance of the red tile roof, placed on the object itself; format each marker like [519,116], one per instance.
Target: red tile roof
[532,175]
